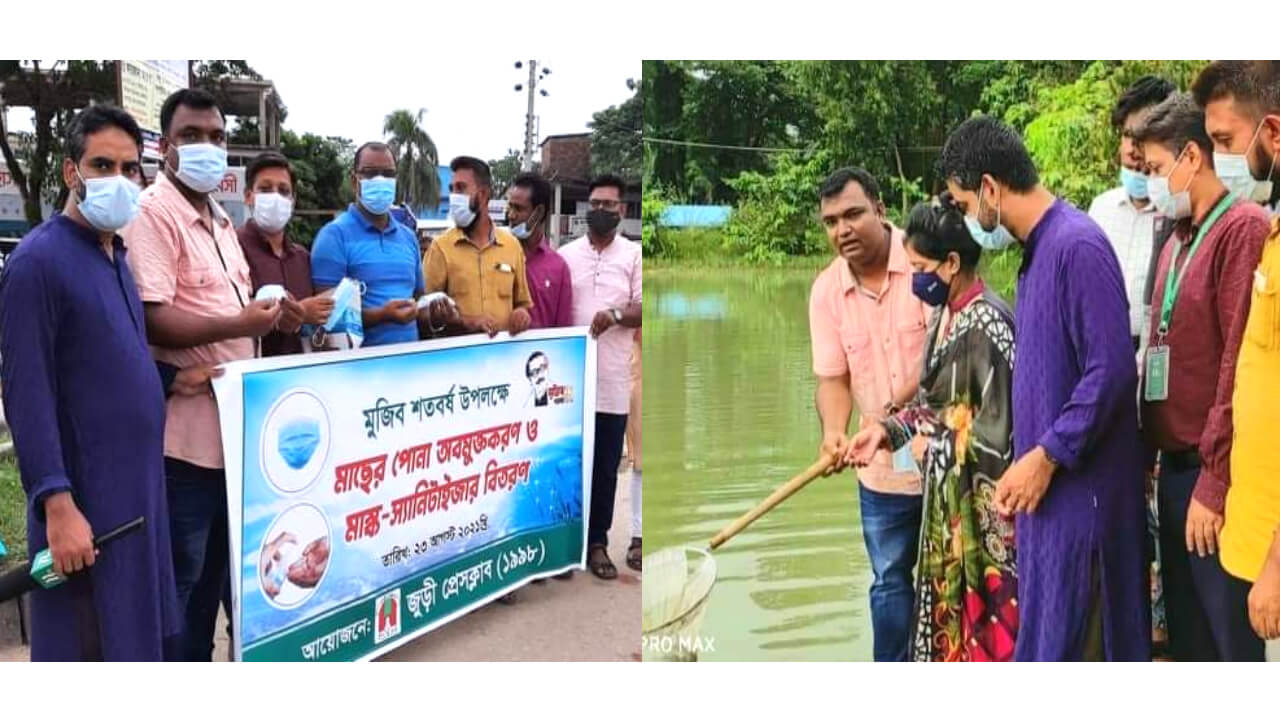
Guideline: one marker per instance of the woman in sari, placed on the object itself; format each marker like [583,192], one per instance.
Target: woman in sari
[966,580]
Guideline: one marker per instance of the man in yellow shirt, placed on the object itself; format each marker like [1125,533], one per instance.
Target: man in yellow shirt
[478,265]
[1241,100]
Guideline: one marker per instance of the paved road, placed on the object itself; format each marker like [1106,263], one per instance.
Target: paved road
[580,619]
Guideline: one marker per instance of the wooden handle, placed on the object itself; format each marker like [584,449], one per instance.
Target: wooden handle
[782,493]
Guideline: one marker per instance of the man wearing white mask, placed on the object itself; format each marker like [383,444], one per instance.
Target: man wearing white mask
[479,265]
[1199,307]
[274,259]
[1242,115]
[194,284]
[1125,213]
[86,410]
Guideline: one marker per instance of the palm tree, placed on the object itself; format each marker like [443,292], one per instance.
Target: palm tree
[417,183]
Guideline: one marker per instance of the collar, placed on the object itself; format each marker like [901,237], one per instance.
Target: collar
[1033,237]
[897,263]
[86,234]
[539,249]
[364,223]
[495,237]
[967,296]
[186,212]
[258,236]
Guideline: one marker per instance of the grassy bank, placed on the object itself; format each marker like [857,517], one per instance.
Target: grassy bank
[13,510]
[694,250]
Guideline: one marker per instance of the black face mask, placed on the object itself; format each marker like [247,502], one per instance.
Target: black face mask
[602,222]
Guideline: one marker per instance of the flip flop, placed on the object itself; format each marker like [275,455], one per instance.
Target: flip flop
[634,554]
[603,569]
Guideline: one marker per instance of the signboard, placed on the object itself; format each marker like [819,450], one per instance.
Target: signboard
[143,87]
[379,493]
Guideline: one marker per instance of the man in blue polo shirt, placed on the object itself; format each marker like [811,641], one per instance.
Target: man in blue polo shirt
[366,244]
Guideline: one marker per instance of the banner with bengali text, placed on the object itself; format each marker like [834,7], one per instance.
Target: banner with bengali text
[376,494]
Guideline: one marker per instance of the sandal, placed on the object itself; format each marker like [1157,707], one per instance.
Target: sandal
[633,554]
[600,564]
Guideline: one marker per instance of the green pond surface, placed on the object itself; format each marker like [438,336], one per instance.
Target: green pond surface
[728,416]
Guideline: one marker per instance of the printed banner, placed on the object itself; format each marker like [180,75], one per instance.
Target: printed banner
[379,493]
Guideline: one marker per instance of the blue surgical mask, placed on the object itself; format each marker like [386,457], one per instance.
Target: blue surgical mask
[930,287]
[201,166]
[996,238]
[460,210]
[377,194]
[1135,183]
[109,203]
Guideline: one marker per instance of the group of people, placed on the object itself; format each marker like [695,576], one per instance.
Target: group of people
[1007,458]
[116,313]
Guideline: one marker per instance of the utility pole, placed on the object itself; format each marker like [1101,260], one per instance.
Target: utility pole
[527,161]
[531,120]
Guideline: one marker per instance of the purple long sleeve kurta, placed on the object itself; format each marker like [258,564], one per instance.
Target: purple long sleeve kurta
[1073,394]
[83,400]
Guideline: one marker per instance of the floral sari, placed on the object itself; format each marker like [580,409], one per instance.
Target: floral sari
[966,579]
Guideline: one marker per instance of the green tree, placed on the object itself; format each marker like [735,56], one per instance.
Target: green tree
[662,86]
[615,140]
[54,93]
[504,171]
[1068,127]
[777,213]
[417,182]
[321,168]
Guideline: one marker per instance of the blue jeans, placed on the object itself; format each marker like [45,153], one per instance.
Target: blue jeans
[198,533]
[891,529]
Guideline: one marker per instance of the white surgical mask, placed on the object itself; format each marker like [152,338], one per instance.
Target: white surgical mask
[201,166]
[1172,205]
[1233,171]
[109,203]
[271,211]
[460,210]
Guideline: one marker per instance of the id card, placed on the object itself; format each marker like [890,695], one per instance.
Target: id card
[1157,374]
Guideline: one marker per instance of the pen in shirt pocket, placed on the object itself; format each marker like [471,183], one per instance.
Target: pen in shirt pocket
[503,267]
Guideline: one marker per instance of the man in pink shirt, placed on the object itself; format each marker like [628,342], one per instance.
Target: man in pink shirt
[605,268]
[868,335]
[528,206]
[195,287]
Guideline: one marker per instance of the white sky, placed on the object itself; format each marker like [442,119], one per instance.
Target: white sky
[472,109]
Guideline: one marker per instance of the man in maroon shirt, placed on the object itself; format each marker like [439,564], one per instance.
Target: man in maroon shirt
[528,205]
[1199,305]
[276,260]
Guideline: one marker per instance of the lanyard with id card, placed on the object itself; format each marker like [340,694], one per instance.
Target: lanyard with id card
[1156,376]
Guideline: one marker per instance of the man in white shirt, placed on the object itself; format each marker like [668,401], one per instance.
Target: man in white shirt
[1125,213]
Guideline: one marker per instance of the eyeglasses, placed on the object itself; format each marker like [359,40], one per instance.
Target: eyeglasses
[370,173]
[604,204]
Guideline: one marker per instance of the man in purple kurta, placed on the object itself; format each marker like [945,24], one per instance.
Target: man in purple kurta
[83,400]
[1077,484]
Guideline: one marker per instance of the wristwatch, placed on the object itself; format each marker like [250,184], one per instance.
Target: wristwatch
[617,315]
